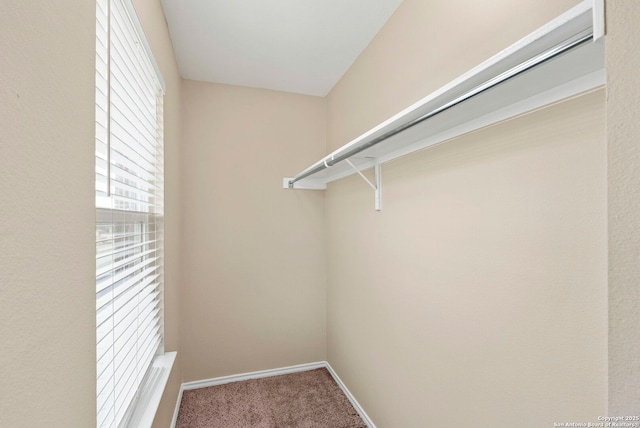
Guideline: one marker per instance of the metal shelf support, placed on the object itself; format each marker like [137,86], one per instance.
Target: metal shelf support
[377,188]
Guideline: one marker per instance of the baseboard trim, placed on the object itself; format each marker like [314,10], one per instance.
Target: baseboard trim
[367,420]
[252,375]
[268,373]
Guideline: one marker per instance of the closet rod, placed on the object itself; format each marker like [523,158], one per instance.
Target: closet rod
[551,53]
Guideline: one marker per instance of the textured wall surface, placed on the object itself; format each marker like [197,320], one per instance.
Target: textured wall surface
[482,285]
[253,291]
[623,133]
[155,28]
[47,214]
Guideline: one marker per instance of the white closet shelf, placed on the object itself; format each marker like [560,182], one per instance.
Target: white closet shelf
[560,60]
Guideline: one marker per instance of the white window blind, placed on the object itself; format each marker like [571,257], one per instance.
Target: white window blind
[129,211]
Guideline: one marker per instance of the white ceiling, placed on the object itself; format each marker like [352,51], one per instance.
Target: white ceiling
[301,46]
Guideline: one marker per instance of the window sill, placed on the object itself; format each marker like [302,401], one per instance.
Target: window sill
[149,400]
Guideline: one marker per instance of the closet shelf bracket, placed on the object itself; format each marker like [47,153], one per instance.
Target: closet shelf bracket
[377,188]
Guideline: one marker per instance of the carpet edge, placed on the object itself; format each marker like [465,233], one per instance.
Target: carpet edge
[185,386]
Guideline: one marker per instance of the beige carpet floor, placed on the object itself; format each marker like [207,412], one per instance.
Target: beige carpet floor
[310,399]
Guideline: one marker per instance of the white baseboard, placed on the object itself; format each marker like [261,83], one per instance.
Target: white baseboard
[367,420]
[252,375]
[268,373]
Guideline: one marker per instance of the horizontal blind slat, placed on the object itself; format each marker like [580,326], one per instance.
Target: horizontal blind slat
[112,309]
[114,293]
[111,280]
[126,247]
[126,175]
[127,260]
[126,52]
[144,120]
[123,235]
[122,25]
[129,204]
[123,162]
[120,310]
[122,147]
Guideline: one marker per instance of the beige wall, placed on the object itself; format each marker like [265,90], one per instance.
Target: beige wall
[482,283]
[478,294]
[47,214]
[155,28]
[253,292]
[623,132]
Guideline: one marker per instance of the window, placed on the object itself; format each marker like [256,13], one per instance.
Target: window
[129,211]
